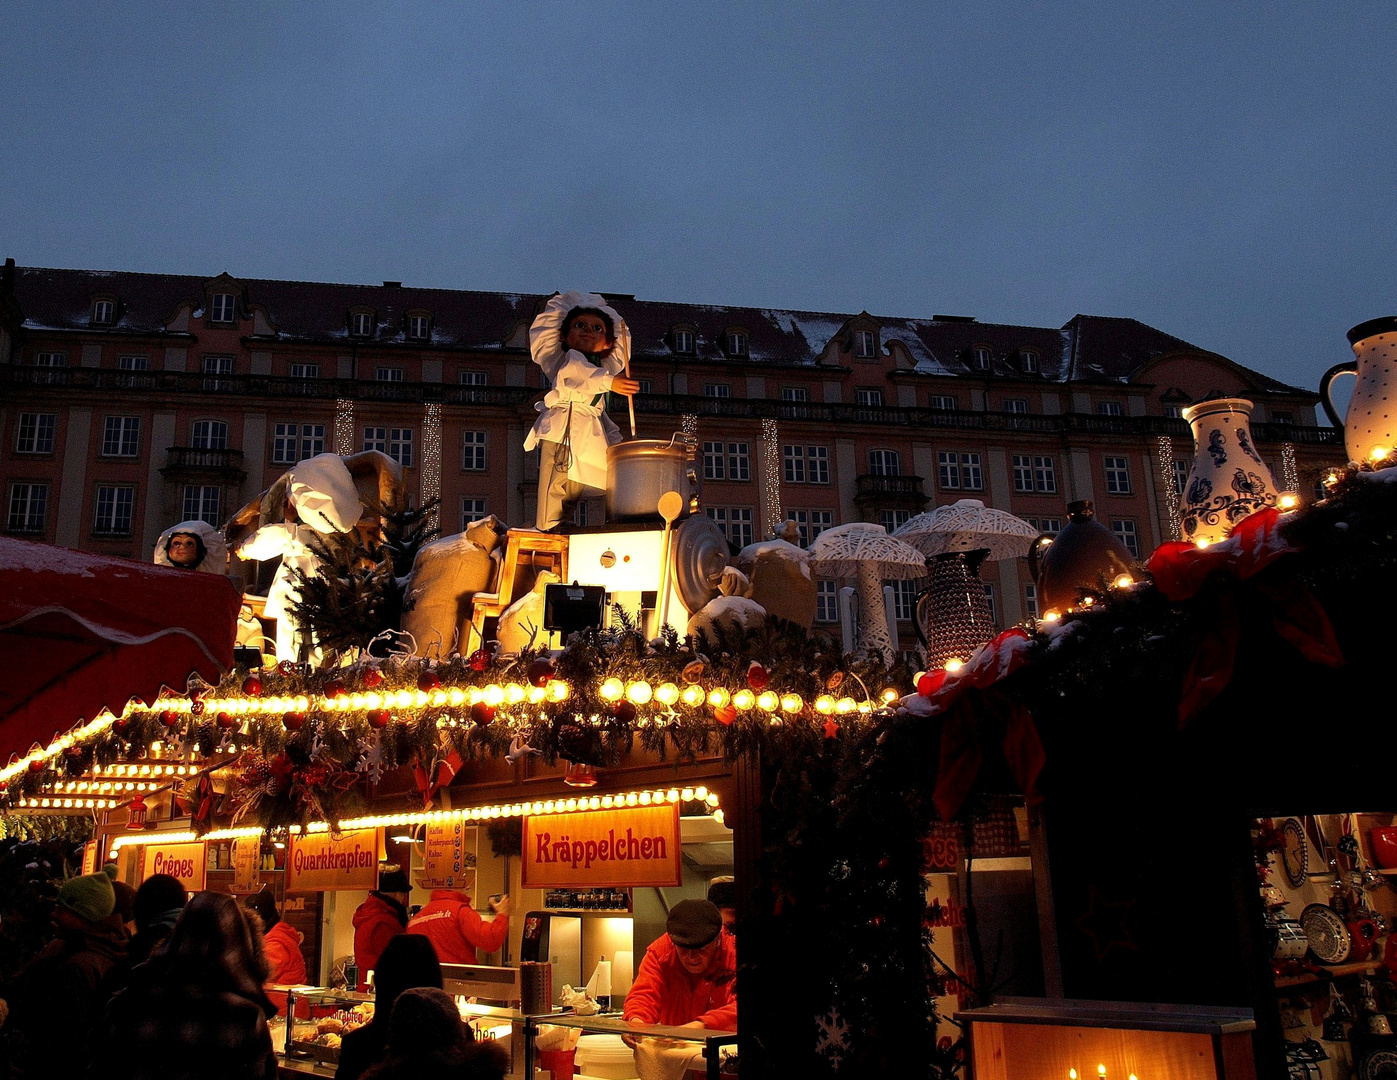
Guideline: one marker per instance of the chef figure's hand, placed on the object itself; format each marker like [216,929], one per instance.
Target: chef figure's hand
[624,386]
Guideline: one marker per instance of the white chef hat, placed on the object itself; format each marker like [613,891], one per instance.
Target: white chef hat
[323,493]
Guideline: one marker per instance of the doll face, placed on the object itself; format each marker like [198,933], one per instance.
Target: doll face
[183,550]
[588,334]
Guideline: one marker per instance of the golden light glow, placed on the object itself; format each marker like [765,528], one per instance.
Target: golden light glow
[639,693]
[791,703]
[693,695]
[768,700]
[889,696]
[1288,501]
[1052,616]
[845,705]
[953,665]
[612,690]
[494,695]
[824,704]
[667,693]
[1123,582]
[558,690]
[1202,542]
[1378,453]
[744,700]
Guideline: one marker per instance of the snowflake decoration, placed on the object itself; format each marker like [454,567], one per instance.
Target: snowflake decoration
[833,1040]
[370,758]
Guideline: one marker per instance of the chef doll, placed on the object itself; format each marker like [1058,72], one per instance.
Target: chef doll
[582,345]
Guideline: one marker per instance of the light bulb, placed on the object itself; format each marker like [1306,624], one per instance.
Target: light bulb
[1124,581]
[744,699]
[639,693]
[954,664]
[612,689]
[667,693]
[718,697]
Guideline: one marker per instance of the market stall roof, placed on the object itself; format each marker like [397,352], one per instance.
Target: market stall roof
[82,632]
[968,525]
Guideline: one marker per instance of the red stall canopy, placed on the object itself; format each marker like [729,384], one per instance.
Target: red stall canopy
[80,632]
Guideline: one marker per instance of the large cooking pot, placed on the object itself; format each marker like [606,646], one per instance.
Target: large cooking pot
[642,470]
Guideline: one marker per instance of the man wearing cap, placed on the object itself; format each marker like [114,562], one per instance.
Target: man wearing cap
[378,920]
[57,996]
[688,976]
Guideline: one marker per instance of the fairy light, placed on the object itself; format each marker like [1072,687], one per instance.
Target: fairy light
[1169,484]
[771,474]
[667,693]
[1288,501]
[1290,471]
[344,426]
[431,461]
[688,422]
[743,700]
[1123,582]
[63,742]
[953,665]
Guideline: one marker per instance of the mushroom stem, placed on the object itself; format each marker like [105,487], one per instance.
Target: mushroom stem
[873,631]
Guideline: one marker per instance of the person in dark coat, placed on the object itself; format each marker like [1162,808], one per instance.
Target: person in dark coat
[407,961]
[59,992]
[428,1041]
[155,908]
[195,1010]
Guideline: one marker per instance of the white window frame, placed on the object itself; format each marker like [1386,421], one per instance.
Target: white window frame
[981,358]
[793,464]
[293,442]
[1030,362]
[684,342]
[865,345]
[737,343]
[1030,600]
[798,394]
[419,327]
[942,402]
[388,374]
[361,324]
[905,599]
[121,436]
[1182,467]
[1017,406]
[892,519]
[305,371]
[811,523]
[1109,408]
[475,451]
[1047,526]
[25,497]
[396,442]
[474,508]
[991,602]
[1174,412]
[113,509]
[717,390]
[868,396]
[223,308]
[884,462]
[214,435]
[737,523]
[103,312]
[34,432]
[826,601]
[196,503]
[133,362]
[1128,533]
[1117,474]
[472,377]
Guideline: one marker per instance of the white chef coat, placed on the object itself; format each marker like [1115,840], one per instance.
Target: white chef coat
[577,384]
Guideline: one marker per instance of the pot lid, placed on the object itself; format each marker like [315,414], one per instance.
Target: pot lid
[968,525]
[700,554]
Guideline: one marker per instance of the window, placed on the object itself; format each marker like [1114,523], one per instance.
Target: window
[904,600]
[1049,526]
[714,461]
[980,358]
[1176,411]
[943,402]
[737,343]
[727,461]
[827,601]
[1108,408]
[1282,416]
[579,512]
[28,505]
[683,341]
[1034,474]
[211,435]
[1117,475]
[1182,467]
[868,396]
[473,445]
[50,360]
[34,435]
[388,374]
[735,521]
[805,464]
[892,519]
[113,517]
[475,378]
[419,327]
[395,442]
[104,312]
[121,436]
[1124,528]
[305,371]
[959,471]
[865,344]
[884,463]
[218,365]
[221,310]
[296,442]
[794,393]
[645,385]
[1016,405]
[811,523]
[739,464]
[133,363]
[361,324]
[201,503]
[1030,601]
[989,602]
[715,389]
[472,509]
[1029,359]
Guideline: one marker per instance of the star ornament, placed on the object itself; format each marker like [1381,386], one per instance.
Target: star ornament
[1105,922]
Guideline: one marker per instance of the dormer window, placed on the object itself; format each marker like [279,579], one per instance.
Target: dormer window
[221,308]
[419,327]
[980,358]
[1029,361]
[103,312]
[361,323]
[737,342]
[683,342]
[865,344]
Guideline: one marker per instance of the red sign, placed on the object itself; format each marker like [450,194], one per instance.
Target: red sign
[635,846]
[186,862]
[320,862]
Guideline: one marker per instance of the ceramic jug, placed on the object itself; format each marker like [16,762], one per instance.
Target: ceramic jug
[1370,429]
[1085,557]
[953,608]
[1229,481]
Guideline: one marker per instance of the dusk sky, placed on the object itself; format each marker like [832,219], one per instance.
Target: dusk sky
[1221,171]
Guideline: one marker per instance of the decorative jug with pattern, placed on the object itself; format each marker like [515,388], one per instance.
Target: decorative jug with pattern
[1370,428]
[1229,481]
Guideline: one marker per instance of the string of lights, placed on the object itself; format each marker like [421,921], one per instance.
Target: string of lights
[431,461]
[771,475]
[1290,471]
[344,426]
[1169,485]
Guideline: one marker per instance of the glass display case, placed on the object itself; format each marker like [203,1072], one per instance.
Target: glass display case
[317,1019]
[703,1046]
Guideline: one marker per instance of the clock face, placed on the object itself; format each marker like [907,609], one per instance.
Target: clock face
[1295,856]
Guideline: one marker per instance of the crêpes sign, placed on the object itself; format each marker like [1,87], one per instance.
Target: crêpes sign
[186,862]
[635,846]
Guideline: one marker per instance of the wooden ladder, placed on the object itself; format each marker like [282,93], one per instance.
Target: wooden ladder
[523,547]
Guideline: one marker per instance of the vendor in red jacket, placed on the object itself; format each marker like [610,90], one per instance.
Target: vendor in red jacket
[687,978]
[378,920]
[281,944]
[456,930]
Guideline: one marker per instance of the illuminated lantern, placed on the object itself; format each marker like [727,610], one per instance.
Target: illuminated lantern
[581,775]
[136,813]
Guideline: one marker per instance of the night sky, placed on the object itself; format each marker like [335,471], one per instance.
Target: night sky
[1221,171]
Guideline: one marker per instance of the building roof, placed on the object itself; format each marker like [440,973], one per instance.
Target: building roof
[1088,348]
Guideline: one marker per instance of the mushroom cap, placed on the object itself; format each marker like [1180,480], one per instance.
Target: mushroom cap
[839,552]
[968,525]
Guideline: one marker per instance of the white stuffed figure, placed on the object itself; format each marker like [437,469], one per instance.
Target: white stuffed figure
[192,545]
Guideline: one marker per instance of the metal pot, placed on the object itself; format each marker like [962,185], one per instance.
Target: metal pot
[640,471]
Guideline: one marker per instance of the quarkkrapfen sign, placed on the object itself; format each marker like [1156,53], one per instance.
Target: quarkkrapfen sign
[635,846]
[323,863]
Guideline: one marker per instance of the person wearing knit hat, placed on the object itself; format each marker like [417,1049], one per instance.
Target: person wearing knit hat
[90,896]
[688,976]
[378,920]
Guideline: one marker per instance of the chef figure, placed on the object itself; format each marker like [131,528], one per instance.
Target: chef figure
[582,345]
[192,545]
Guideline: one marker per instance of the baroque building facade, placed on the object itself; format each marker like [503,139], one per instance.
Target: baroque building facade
[132,401]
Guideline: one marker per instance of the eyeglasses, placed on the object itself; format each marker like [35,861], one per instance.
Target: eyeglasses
[593,328]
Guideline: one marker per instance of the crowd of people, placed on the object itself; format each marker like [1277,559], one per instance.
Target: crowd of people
[151,984]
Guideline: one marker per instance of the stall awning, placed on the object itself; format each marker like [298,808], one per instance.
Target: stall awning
[81,632]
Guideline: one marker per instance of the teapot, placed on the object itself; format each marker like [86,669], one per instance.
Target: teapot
[1370,428]
[1082,558]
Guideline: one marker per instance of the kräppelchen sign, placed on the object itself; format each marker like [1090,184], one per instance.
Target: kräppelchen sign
[631,847]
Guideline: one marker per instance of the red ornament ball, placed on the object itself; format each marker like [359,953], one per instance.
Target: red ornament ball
[122,725]
[479,660]
[725,714]
[286,667]
[482,714]
[170,718]
[294,721]
[334,688]
[757,676]
[226,720]
[428,680]
[378,718]
[539,672]
[625,711]
[252,686]
[36,766]
[885,863]
[373,677]
[930,682]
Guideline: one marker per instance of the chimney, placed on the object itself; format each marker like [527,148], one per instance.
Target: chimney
[7,279]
